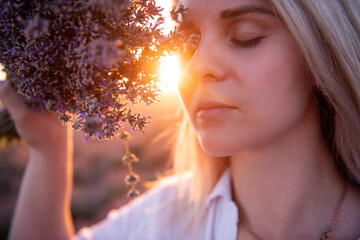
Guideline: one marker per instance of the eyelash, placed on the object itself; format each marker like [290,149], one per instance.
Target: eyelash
[247,43]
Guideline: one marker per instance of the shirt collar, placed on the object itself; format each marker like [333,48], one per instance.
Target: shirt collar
[222,188]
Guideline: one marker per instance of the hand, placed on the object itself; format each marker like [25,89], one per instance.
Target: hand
[42,132]
[44,198]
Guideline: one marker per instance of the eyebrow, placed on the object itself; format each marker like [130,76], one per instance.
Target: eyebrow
[237,11]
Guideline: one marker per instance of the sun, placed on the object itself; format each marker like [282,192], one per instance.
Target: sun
[169,70]
[169,73]
[2,73]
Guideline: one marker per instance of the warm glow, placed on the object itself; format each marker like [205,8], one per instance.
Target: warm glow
[169,70]
[170,73]
[167,5]
[2,73]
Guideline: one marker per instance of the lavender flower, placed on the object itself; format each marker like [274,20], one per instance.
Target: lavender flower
[86,61]
[36,27]
[131,178]
[83,59]
[129,158]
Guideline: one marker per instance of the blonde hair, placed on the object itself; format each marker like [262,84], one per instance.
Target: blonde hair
[327,34]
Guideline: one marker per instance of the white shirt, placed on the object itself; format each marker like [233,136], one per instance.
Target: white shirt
[148,216]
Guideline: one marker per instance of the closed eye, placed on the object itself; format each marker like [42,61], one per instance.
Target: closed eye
[251,43]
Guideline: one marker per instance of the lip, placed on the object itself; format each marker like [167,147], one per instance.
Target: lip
[207,109]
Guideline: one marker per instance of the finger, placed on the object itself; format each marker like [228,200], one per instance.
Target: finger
[11,101]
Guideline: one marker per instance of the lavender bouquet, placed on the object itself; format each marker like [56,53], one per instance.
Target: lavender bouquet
[84,60]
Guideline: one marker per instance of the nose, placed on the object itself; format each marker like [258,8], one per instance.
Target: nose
[207,62]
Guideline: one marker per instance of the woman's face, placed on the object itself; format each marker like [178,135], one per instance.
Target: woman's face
[246,84]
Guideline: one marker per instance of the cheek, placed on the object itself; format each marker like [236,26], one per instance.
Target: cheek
[277,94]
[283,93]
[274,99]
[274,77]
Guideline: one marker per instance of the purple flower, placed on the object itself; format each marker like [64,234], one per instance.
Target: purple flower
[13,51]
[63,65]
[101,52]
[8,28]
[85,138]
[52,59]
[98,134]
[123,91]
[36,27]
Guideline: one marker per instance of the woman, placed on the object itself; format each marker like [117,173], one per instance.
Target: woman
[271,134]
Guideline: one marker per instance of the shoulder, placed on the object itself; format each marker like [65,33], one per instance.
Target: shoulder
[148,215]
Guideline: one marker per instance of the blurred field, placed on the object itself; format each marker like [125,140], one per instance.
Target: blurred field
[98,171]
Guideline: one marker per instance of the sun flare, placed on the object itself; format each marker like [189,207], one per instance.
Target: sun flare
[169,70]
[2,73]
[170,73]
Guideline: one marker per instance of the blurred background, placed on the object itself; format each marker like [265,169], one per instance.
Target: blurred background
[98,170]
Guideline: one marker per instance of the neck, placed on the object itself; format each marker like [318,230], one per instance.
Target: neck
[287,189]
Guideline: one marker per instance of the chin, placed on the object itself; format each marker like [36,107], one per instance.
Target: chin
[217,147]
